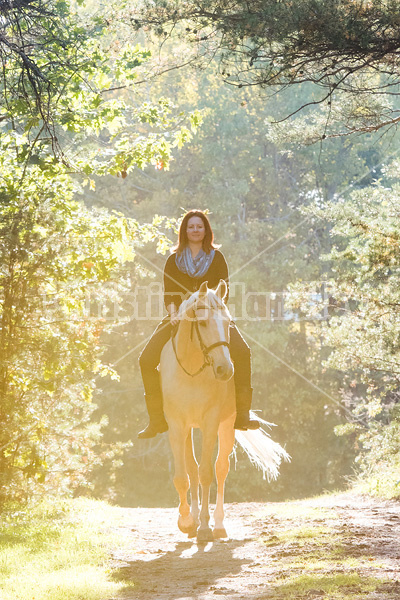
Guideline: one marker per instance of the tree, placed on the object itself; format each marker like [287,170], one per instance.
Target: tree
[57,258]
[254,191]
[43,51]
[57,84]
[65,269]
[362,332]
[347,49]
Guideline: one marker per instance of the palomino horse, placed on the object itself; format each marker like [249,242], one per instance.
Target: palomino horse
[198,391]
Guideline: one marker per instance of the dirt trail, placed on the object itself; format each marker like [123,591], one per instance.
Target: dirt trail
[334,547]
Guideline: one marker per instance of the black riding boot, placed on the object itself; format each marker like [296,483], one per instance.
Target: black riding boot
[157,424]
[243,405]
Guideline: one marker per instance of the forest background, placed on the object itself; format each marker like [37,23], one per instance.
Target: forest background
[100,158]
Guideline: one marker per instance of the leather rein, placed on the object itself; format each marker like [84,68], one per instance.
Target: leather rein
[205,349]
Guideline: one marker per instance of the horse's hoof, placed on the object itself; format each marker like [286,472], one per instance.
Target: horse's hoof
[220,533]
[192,533]
[205,535]
[187,529]
[187,524]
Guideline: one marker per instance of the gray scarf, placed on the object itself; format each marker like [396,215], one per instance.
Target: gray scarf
[197,266]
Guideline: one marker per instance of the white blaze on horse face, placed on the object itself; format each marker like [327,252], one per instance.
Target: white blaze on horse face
[222,369]
[213,321]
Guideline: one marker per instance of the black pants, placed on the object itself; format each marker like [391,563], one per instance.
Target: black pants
[150,358]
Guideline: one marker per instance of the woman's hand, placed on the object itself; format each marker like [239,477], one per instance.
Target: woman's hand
[174,318]
[173,313]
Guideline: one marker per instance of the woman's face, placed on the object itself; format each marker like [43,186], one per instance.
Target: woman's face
[195,229]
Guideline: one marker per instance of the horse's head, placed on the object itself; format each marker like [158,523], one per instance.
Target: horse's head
[211,320]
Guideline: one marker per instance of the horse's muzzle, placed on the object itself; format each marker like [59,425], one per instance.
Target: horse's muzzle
[223,371]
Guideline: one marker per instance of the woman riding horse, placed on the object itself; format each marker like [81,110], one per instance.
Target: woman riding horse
[195,259]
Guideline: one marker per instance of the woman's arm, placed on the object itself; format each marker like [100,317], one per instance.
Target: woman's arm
[172,289]
[173,311]
[222,272]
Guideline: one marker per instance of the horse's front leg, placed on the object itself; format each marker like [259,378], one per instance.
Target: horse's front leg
[177,438]
[206,471]
[226,436]
[193,471]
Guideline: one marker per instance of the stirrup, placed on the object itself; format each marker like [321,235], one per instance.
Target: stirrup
[153,429]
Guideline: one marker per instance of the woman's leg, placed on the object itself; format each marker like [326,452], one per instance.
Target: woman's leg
[241,357]
[148,361]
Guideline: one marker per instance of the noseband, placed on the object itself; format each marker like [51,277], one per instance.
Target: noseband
[205,349]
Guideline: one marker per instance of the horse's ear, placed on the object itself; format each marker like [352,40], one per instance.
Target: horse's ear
[203,290]
[222,289]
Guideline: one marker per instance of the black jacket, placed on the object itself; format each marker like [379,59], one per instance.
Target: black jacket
[178,286]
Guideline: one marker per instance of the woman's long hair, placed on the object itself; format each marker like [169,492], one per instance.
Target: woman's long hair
[208,242]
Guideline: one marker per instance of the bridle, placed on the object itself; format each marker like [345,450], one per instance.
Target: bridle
[205,349]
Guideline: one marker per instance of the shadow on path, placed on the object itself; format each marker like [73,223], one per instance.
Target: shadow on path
[185,572]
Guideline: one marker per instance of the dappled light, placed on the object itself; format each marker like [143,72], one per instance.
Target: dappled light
[199,299]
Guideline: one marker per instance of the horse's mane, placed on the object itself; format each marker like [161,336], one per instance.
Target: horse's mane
[211,300]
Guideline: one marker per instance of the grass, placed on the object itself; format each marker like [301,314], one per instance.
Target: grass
[331,586]
[59,551]
[299,535]
[294,509]
[383,483]
[311,549]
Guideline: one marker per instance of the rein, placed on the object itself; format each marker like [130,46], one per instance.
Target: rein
[205,349]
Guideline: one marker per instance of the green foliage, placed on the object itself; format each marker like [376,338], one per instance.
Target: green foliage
[336,45]
[364,261]
[58,91]
[362,332]
[63,273]
[255,185]
[346,112]
[55,256]
[379,460]
[253,191]
[63,267]
[81,104]
[64,548]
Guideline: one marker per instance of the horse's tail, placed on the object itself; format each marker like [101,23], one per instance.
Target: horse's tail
[263,452]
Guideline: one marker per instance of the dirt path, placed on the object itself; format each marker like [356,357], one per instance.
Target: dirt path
[334,547]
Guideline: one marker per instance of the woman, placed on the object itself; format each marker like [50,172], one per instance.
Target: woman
[195,259]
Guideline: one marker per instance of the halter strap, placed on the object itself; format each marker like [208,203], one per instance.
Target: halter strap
[209,348]
[205,349]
